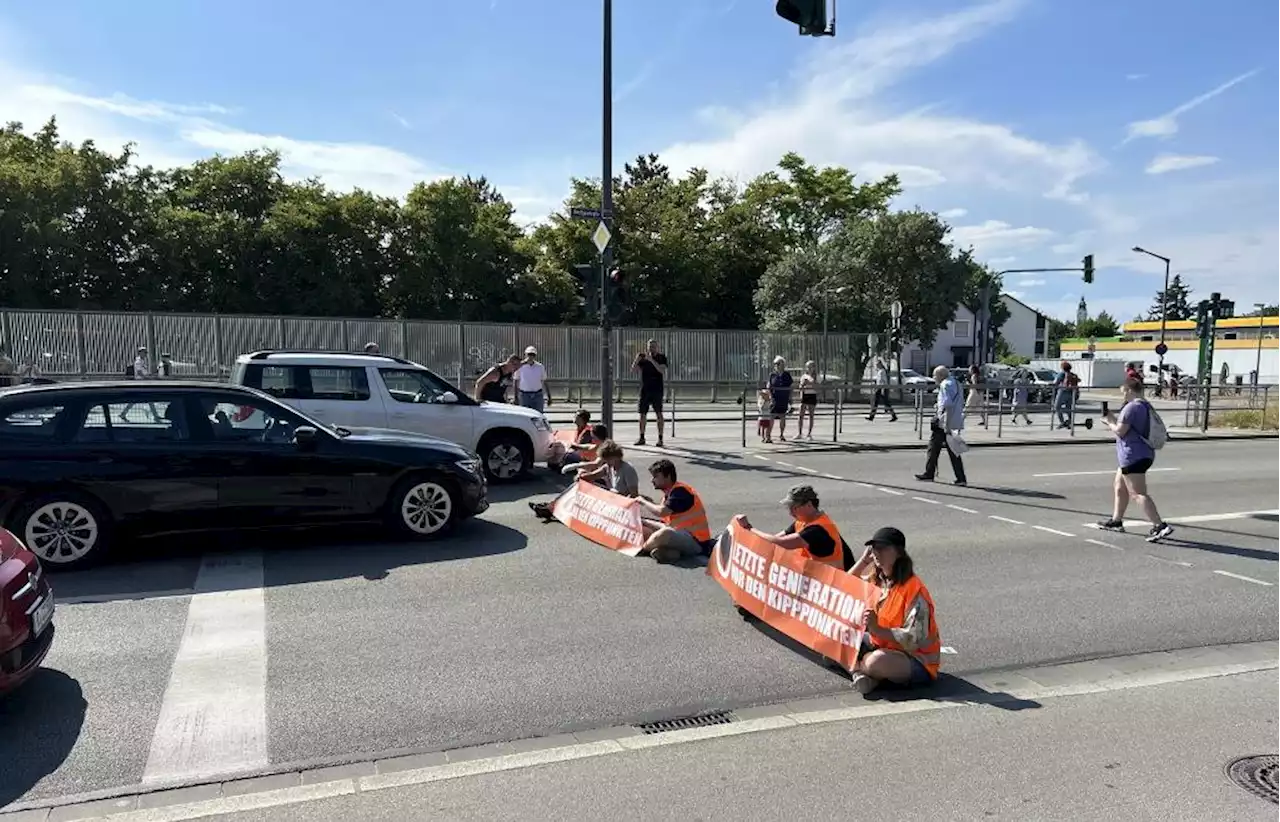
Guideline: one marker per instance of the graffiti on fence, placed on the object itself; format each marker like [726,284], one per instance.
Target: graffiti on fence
[482,356]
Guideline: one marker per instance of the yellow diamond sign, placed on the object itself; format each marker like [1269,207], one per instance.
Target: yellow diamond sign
[601,237]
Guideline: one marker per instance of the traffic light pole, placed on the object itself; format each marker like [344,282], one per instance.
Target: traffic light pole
[606,215]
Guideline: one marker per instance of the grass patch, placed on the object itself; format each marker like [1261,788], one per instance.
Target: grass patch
[1246,418]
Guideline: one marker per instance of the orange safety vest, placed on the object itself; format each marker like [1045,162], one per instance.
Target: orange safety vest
[836,559]
[694,520]
[892,612]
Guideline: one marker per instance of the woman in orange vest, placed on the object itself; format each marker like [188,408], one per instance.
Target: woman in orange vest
[812,534]
[901,644]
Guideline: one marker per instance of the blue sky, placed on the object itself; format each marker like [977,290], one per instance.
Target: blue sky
[1042,130]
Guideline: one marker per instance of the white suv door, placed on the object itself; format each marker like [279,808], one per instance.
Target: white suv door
[339,395]
[417,401]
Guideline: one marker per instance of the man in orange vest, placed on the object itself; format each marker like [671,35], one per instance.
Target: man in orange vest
[680,528]
[901,644]
[812,534]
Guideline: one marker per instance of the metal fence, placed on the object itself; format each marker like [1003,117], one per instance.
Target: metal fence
[92,343]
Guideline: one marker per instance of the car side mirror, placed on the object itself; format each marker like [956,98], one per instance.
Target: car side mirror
[305,437]
[449,398]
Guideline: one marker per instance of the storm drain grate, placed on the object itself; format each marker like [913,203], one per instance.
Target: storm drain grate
[1256,774]
[700,721]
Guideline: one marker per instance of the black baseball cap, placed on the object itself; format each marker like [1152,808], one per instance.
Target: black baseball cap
[888,536]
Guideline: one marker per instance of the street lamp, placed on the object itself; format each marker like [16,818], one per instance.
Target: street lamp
[826,312]
[1164,310]
[1257,368]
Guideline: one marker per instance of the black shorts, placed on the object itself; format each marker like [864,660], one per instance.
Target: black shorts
[1142,466]
[650,398]
[808,399]
[779,409]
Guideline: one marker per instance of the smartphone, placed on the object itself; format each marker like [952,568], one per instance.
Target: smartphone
[1105,412]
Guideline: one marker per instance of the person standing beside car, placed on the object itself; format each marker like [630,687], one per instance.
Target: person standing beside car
[531,382]
[652,365]
[493,384]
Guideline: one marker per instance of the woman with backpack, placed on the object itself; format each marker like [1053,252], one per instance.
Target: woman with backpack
[1139,433]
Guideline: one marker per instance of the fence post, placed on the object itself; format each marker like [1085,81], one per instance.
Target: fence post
[1000,413]
[835,421]
[82,365]
[404,340]
[919,414]
[346,336]
[1072,411]
[280,340]
[5,339]
[150,323]
[715,366]
[673,410]
[744,415]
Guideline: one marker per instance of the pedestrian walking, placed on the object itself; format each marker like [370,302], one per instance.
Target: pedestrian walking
[1066,386]
[780,383]
[1136,442]
[652,365]
[977,399]
[881,377]
[142,364]
[1021,397]
[808,396]
[948,419]
[531,382]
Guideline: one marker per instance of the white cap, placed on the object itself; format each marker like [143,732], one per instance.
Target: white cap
[531,350]
[779,359]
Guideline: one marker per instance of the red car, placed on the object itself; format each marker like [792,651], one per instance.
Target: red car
[26,613]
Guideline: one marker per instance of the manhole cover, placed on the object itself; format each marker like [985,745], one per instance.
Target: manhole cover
[702,720]
[1256,774]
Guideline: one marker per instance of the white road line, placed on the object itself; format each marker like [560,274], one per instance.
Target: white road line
[213,720]
[762,457]
[1105,544]
[864,485]
[1052,531]
[926,499]
[947,649]
[891,491]
[1006,519]
[1142,523]
[961,508]
[1096,473]
[784,464]
[1170,561]
[802,468]
[1245,578]
[833,477]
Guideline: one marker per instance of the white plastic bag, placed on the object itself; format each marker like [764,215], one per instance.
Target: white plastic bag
[956,443]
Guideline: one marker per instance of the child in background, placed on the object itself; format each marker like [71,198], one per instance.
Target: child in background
[1021,392]
[764,405]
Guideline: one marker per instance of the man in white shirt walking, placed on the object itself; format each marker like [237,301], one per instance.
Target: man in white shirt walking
[531,382]
[882,393]
[142,364]
[948,417]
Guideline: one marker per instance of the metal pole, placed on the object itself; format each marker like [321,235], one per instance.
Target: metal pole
[1000,413]
[1164,319]
[606,213]
[826,310]
[745,389]
[1257,367]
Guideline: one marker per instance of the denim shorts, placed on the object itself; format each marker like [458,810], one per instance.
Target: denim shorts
[919,674]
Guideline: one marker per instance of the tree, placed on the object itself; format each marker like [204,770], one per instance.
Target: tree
[1179,302]
[1265,311]
[1103,325]
[1059,330]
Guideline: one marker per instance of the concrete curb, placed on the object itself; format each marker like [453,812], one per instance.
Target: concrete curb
[295,784]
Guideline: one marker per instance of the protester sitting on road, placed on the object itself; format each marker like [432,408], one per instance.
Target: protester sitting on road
[1135,456]
[812,534]
[584,449]
[581,436]
[680,529]
[612,471]
[901,644]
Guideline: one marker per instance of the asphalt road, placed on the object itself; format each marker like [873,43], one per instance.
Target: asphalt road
[347,649]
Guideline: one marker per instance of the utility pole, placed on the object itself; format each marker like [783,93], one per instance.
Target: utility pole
[1164,310]
[606,217]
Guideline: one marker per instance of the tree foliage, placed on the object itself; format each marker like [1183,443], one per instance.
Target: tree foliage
[1179,301]
[85,228]
[1103,325]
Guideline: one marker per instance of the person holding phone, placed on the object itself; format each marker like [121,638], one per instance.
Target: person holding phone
[1135,456]
[652,365]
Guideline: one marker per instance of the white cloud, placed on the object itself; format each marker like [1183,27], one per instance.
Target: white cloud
[1132,77]
[995,235]
[835,114]
[953,213]
[1030,282]
[910,176]
[1166,125]
[1064,248]
[1164,163]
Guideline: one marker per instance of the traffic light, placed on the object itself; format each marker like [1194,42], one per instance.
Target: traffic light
[895,339]
[809,15]
[1088,268]
[1226,310]
[1204,326]
[588,277]
[615,296]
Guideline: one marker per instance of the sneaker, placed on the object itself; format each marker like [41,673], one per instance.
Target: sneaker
[542,511]
[1111,525]
[924,477]
[639,441]
[863,684]
[658,444]
[961,483]
[1159,531]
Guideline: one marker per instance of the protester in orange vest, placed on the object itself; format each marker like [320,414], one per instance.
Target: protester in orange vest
[813,535]
[680,529]
[901,644]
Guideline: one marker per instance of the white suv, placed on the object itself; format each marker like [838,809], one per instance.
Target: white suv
[380,391]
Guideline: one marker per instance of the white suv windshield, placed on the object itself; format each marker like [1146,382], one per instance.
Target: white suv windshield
[415,385]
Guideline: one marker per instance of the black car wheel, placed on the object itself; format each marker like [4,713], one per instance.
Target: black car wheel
[505,456]
[65,529]
[422,507]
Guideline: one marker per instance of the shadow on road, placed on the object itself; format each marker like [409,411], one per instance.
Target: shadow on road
[41,722]
[168,566]
[1219,548]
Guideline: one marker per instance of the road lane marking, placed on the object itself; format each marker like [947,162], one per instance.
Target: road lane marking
[926,499]
[1006,519]
[1052,531]
[864,485]
[762,457]
[1096,473]
[1142,523]
[961,508]
[1245,578]
[784,464]
[1105,544]
[213,720]
[833,477]
[1170,561]
[891,491]
[802,468]
[947,649]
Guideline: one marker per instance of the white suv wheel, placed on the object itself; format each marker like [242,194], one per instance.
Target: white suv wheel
[505,461]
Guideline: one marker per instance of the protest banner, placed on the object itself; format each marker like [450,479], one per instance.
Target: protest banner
[601,516]
[819,606]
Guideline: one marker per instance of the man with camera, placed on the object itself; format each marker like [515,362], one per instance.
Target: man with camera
[652,365]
